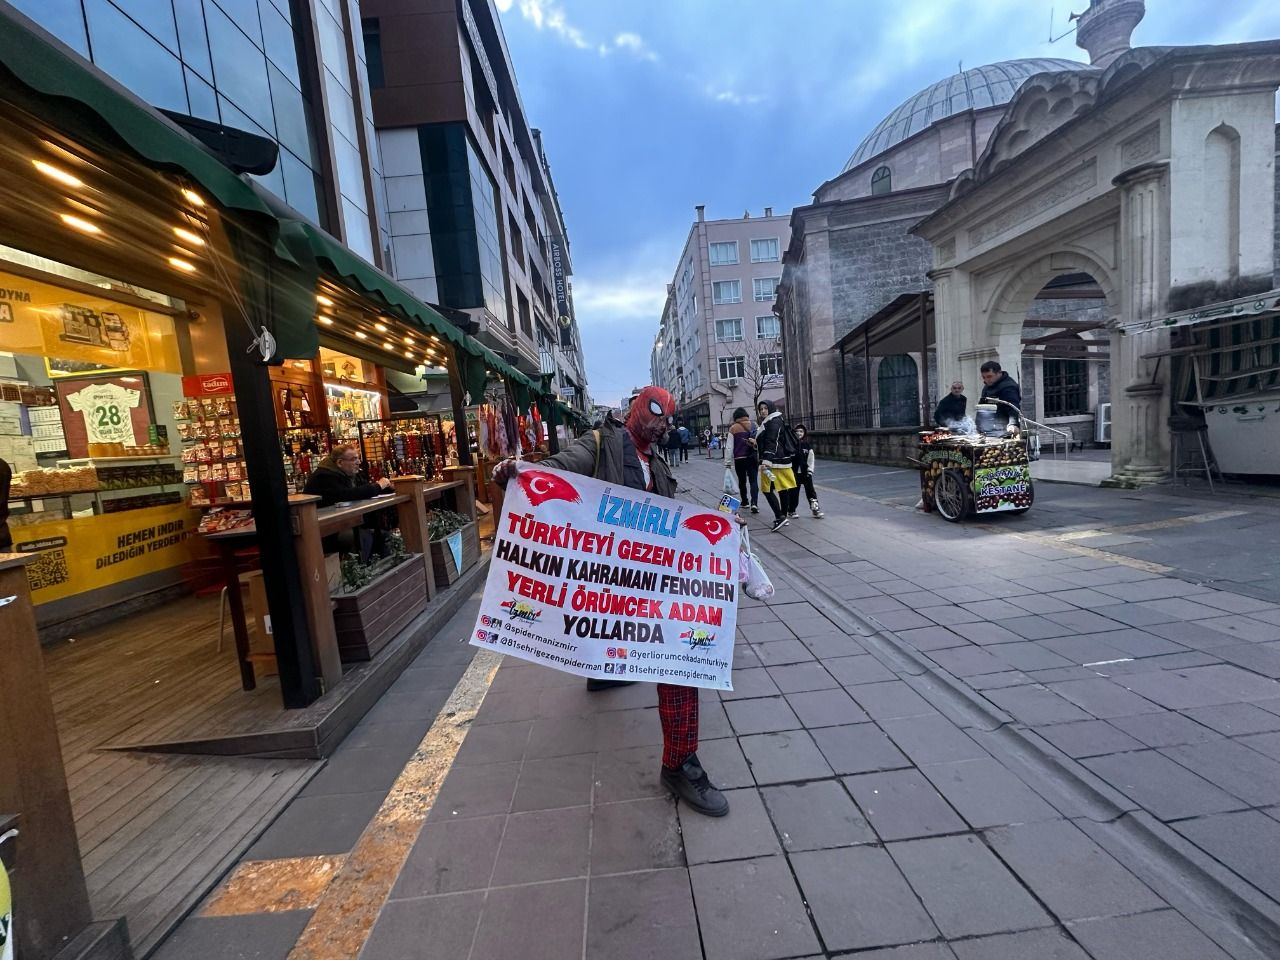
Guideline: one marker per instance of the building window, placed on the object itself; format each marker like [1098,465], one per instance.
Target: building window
[732,368]
[726,291]
[1066,388]
[770,364]
[768,328]
[763,288]
[764,251]
[373,53]
[728,330]
[881,181]
[723,254]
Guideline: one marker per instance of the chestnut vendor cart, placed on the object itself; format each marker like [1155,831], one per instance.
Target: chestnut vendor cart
[961,475]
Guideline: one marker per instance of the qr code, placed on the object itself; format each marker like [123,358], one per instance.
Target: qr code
[48,569]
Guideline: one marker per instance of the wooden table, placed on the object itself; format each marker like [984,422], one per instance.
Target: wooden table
[311,524]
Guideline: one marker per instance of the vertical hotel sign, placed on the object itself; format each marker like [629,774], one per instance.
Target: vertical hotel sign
[557,274]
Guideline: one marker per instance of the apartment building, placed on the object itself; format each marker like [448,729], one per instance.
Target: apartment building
[719,343]
[474,221]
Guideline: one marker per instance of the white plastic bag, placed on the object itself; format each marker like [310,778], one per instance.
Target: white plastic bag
[751,574]
[730,484]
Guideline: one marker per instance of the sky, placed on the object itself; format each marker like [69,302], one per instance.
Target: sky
[649,108]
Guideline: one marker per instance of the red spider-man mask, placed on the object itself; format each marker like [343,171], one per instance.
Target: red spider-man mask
[650,415]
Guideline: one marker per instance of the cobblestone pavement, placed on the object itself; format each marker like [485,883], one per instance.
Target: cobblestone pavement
[1052,737]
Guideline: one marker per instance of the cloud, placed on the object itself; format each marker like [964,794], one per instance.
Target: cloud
[550,16]
[734,97]
[621,301]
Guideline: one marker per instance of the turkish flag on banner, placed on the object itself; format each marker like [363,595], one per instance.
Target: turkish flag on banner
[600,580]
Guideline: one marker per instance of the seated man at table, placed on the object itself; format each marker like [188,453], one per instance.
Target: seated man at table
[336,479]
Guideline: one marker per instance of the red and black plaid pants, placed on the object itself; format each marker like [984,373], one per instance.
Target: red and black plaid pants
[678,708]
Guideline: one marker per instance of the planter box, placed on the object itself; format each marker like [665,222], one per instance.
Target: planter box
[368,619]
[442,557]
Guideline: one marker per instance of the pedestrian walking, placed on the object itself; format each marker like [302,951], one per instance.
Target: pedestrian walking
[803,466]
[630,455]
[685,439]
[776,446]
[673,444]
[745,462]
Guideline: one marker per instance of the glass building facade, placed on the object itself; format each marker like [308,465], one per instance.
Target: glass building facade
[233,62]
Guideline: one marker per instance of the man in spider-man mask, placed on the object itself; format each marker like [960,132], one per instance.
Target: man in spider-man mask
[630,454]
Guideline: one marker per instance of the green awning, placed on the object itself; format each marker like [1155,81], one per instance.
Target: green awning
[75,86]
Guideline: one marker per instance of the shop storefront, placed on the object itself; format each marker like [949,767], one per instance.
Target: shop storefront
[177,355]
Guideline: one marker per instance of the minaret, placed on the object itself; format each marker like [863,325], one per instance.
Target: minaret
[1105,28]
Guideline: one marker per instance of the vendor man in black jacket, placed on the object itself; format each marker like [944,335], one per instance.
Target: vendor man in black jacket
[952,407]
[998,385]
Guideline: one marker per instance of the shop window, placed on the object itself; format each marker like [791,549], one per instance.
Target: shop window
[881,181]
[1066,388]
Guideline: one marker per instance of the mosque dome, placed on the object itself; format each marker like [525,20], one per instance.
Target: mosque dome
[975,89]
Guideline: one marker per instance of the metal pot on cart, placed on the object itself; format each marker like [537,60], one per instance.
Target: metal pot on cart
[966,474]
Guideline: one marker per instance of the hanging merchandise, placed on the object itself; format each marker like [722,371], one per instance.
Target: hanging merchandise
[6,907]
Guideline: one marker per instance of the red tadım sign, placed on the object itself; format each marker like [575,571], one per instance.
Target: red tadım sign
[207,385]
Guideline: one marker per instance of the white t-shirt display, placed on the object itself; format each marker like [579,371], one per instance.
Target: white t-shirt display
[105,408]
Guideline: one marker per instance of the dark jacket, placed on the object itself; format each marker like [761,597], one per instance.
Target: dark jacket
[950,407]
[803,463]
[6,477]
[614,461]
[775,442]
[331,485]
[1006,389]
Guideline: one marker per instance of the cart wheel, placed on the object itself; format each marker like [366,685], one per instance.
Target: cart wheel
[951,496]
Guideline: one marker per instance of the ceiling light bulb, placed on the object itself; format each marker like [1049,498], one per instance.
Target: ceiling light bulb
[184,265]
[323,300]
[193,198]
[79,223]
[388,345]
[380,328]
[408,341]
[327,321]
[360,335]
[408,354]
[55,173]
[192,238]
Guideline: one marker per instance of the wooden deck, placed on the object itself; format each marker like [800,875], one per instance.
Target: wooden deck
[156,831]
[174,770]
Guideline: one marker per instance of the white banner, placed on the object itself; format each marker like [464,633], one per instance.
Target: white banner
[604,581]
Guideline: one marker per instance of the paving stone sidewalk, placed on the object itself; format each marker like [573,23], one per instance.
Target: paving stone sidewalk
[944,743]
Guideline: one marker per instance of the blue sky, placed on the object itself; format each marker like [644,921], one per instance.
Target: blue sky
[650,108]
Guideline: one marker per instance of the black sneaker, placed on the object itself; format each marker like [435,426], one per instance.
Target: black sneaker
[599,683]
[754,508]
[692,785]
[781,522]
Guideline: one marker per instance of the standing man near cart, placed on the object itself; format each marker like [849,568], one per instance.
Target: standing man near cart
[998,385]
[630,455]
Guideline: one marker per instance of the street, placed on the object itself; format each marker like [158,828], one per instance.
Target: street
[1052,736]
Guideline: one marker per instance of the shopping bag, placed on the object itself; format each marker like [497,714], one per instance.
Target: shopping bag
[730,484]
[751,573]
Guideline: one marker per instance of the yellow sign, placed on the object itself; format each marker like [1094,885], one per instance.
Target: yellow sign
[78,333]
[74,556]
[6,915]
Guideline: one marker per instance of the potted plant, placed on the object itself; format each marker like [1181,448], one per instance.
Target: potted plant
[455,544]
[376,600]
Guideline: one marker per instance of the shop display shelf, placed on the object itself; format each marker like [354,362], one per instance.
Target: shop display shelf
[95,461]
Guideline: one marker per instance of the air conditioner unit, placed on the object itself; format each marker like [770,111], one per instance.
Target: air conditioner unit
[1102,423]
